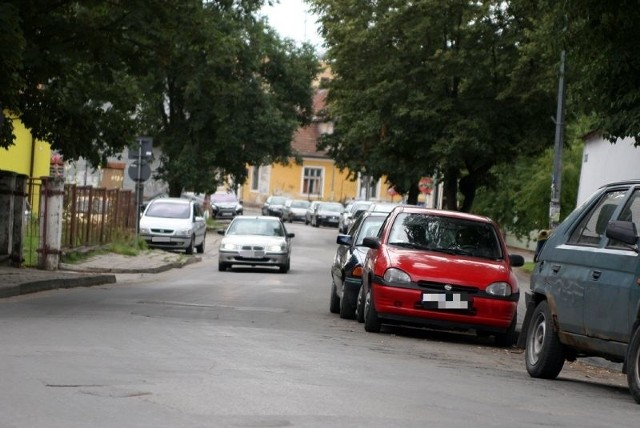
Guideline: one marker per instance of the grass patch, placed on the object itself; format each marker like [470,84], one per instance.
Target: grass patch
[528,267]
[123,242]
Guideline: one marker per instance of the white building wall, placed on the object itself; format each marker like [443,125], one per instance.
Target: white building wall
[603,162]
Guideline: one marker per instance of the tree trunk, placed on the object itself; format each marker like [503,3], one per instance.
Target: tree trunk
[450,191]
[412,195]
[468,187]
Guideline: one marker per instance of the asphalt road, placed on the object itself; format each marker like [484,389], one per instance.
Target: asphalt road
[255,348]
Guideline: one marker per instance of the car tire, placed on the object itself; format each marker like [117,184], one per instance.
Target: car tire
[360,305]
[507,339]
[334,302]
[285,267]
[200,248]
[189,249]
[347,311]
[372,323]
[633,365]
[544,354]
[223,266]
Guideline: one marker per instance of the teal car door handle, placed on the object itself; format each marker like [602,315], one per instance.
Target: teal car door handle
[596,274]
[555,268]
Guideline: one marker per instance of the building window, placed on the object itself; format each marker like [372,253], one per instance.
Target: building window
[312,182]
[255,178]
[369,187]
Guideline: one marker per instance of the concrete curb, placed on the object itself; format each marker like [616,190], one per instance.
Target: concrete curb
[56,283]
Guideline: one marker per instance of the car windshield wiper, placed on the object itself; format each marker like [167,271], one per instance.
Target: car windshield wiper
[409,245]
[454,251]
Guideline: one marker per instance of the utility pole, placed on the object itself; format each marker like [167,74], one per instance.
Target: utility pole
[556,181]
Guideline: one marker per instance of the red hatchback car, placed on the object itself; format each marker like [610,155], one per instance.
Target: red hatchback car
[440,269]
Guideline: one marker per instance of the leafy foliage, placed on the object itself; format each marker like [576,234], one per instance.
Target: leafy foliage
[211,83]
[432,86]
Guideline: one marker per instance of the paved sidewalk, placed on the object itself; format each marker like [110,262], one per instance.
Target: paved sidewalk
[97,270]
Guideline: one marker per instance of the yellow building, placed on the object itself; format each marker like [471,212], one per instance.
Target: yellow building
[317,178]
[27,156]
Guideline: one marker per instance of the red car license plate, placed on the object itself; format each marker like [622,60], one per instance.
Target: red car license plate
[445,301]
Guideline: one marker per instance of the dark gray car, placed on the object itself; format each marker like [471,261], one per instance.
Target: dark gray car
[585,288]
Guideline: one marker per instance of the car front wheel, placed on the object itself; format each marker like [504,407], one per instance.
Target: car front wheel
[507,338]
[544,355]
[189,249]
[334,302]
[285,267]
[360,305]
[200,248]
[633,366]
[371,321]
[347,311]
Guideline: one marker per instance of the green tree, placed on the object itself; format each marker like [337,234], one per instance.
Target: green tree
[223,92]
[68,74]
[519,197]
[430,86]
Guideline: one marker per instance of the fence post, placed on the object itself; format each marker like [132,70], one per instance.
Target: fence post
[7,185]
[51,204]
[19,220]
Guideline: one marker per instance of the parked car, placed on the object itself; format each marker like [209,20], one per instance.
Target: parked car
[295,210]
[175,224]
[310,210]
[375,207]
[584,298]
[441,269]
[255,241]
[327,214]
[274,205]
[225,204]
[346,218]
[346,270]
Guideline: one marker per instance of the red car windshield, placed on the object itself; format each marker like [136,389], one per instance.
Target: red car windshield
[445,234]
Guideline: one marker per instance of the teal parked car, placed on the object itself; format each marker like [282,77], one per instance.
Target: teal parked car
[585,288]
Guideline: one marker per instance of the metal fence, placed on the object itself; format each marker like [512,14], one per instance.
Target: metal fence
[91,217]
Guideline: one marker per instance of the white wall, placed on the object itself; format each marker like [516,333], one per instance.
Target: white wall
[603,162]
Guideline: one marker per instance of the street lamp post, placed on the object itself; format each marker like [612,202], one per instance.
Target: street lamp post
[556,181]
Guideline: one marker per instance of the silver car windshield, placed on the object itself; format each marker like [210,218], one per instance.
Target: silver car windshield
[168,210]
[255,227]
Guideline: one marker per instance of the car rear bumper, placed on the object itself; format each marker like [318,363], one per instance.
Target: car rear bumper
[404,306]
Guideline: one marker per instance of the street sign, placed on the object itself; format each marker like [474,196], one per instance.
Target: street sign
[143,148]
[144,171]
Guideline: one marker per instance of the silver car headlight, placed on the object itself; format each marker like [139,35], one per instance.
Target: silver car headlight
[229,246]
[184,232]
[501,289]
[280,248]
[145,230]
[396,275]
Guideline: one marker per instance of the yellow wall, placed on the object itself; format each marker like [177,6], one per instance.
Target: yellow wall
[288,180]
[18,157]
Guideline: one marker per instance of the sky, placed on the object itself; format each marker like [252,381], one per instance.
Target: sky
[292,19]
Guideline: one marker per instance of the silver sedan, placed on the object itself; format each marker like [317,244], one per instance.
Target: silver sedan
[255,241]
